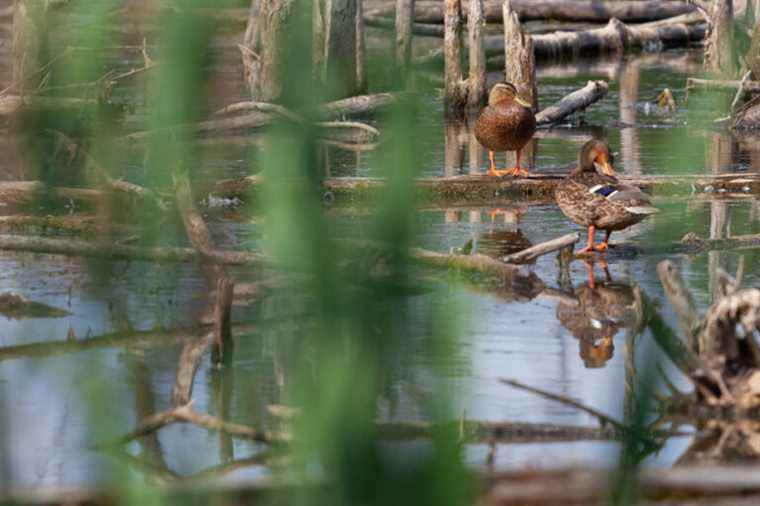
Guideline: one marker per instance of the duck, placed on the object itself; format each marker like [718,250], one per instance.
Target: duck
[591,196]
[506,123]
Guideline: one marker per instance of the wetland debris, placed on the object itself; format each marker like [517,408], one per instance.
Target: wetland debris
[15,306]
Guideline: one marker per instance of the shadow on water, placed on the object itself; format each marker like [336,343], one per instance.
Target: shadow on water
[579,341]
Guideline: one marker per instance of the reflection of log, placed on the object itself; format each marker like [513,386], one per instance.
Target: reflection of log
[222,349]
[536,251]
[560,10]
[613,38]
[576,101]
[680,299]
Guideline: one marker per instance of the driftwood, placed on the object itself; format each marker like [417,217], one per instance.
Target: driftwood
[544,248]
[576,101]
[613,38]
[629,11]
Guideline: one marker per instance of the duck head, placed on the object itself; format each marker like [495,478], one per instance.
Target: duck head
[596,156]
[506,91]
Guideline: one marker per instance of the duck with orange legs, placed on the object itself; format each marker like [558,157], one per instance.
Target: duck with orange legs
[592,196]
[507,123]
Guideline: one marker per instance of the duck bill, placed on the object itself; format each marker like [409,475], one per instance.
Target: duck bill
[523,102]
[606,168]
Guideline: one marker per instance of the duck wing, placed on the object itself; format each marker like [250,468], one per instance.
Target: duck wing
[630,197]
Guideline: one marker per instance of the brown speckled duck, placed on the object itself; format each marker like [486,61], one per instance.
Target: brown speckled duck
[507,123]
[592,196]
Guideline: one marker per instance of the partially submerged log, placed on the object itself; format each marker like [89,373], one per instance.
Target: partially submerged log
[576,101]
[629,11]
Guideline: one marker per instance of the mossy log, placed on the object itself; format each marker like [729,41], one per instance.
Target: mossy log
[629,11]
[491,190]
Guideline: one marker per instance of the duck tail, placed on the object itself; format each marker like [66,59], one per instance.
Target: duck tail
[645,210]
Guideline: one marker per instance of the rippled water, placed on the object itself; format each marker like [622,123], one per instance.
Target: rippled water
[540,341]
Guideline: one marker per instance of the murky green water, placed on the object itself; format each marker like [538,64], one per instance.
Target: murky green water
[44,390]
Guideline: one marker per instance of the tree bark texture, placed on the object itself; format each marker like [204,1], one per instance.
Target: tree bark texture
[28,31]
[404,22]
[520,63]
[719,55]
[476,81]
[452,43]
[273,28]
[339,42]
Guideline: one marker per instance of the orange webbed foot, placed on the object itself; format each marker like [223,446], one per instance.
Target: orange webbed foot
[517,172]
[497,173]
[586,251]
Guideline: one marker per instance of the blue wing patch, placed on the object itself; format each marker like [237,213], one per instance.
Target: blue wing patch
[604,190]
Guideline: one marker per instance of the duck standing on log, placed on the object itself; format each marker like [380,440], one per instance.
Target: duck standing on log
[593,197]
[507,123]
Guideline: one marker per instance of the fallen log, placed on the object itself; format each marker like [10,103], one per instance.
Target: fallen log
[629,11]
[616,37]
[486,190]
[693,83]
[544,248]
[576,101]
[424,29]
[114,251]
[11,104]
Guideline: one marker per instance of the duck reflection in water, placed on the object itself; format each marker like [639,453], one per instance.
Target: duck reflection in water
[498,242]
[596,311]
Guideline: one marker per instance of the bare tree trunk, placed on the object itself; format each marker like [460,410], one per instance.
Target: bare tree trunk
[361,78]
[28,30]
[520,67]
[404,22]
[452,47]
[274,27]
[338,60]
[249,49]
[719,57]
[476,82]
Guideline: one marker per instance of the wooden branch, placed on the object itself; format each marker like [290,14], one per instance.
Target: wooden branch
[576,101]
[544,248]
[629,11]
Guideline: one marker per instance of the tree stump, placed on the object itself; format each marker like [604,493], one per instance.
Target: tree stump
[520,63]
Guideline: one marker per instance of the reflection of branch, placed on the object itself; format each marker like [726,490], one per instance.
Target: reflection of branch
[603,419]
[187,414]
[681,300]
[189,361]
